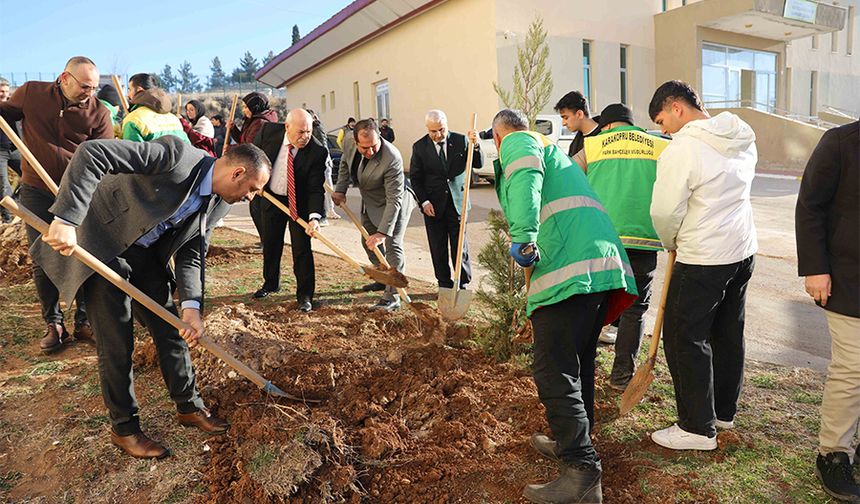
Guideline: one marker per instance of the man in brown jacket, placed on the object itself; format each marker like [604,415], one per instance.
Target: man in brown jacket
[56,118]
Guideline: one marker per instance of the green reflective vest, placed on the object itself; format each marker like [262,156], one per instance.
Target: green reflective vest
[622,168]
[547,200]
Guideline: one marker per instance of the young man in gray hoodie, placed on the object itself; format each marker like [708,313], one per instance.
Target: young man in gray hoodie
[701,208]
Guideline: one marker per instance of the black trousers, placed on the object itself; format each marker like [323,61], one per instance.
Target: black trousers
[632,321]
[110,312]
[442,233]
[39,201]
[703,333]
[565,346]
[274,223]
[254,210]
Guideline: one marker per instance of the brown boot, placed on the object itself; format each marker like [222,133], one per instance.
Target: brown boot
[205,421]
[139,446]
[54,338]
[84,332]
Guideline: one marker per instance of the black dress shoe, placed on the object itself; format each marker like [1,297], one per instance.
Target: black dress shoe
[375,286]
[305,305]
[263,292]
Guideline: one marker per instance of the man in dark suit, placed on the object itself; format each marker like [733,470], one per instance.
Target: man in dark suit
[298,171]
[134,206]
[827,224]
[437,172]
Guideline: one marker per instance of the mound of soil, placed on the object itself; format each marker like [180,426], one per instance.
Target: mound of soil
[217,255]
[16,267]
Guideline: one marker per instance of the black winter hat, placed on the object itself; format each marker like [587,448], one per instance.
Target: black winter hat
[617,112]
[256,102]
[109,94]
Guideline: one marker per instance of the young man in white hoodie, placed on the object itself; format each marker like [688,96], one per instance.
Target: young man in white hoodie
[701,208]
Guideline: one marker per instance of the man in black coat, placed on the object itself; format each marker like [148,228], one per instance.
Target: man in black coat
[438,172]
[298,171]
[134,206]
[827,225]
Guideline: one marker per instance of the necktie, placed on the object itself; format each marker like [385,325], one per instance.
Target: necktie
[204,211]
[291,185]
[442,156]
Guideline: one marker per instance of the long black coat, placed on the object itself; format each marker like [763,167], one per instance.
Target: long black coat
[827,217]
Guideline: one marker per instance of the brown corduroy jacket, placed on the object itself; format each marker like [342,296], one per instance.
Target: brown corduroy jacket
[53,128]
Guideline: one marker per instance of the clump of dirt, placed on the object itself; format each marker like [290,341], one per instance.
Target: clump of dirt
[16,267]
[217,255]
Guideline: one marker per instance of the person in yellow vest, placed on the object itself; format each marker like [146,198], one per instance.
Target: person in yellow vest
[621,166]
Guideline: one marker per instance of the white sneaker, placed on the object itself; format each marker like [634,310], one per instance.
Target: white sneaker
[609,335]
[676,438]
[723,425]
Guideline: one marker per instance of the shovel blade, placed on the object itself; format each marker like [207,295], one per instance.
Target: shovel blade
[273,390]
[454,303]
[393,278]
[636,389]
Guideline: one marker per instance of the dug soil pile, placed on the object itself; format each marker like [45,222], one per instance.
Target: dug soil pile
[15,264]
[402,417]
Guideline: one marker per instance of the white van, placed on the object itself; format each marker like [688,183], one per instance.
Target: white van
[548,125]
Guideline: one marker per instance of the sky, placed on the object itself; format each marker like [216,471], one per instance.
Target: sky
[125,37]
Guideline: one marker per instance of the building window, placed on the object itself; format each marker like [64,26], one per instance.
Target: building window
[356,100]
[331,100]
[383,100]
[849,45]
[586,71]
[834,42]
[665,5]
[322,103]
[815,41]
[737,77]
[623,55]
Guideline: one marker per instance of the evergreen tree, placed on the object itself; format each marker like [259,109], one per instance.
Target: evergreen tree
[296,35]
[248,66]
[532,75]
[269,57]
[217,78]
[166,79]
[187,82]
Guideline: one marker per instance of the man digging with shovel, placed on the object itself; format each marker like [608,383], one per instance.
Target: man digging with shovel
[582,280]
[134,206]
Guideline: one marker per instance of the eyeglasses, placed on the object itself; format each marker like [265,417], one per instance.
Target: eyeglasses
[86,89]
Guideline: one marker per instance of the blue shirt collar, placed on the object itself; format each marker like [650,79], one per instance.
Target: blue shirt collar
[206,183]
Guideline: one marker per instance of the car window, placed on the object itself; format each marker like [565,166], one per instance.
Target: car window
[543,127]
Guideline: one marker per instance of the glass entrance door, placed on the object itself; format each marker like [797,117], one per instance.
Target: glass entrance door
[738,77]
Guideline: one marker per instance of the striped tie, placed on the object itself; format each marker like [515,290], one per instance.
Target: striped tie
[291,184]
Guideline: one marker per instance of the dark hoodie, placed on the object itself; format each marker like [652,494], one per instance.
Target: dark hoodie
[150,117]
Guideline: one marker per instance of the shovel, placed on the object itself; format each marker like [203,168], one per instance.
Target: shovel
[637,387]
[454,303]
[110,275]
[387,278]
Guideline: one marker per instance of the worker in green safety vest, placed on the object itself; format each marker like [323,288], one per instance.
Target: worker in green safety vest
[582,280]
[620,163]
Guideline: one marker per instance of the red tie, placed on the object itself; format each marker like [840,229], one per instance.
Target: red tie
[291,184]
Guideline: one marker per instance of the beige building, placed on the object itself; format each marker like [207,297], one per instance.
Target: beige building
[787,66]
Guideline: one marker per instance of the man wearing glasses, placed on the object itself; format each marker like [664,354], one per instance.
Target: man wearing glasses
[56,117]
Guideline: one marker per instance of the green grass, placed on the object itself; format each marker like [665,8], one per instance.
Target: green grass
[46,368]
[264,456]
[7,480]
[764,380]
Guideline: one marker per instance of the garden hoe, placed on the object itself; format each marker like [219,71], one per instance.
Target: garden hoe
[102,269]
[392,278]
[454,302]
[637,387]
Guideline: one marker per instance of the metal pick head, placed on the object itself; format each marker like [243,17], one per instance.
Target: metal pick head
[271,389]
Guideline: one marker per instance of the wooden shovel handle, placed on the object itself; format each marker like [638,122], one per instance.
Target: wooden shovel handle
[464,213]
[110,275]
[366,235]
[123,99]
[301,222]
[178,103]
[658,324]
[31,159]
[229,118]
